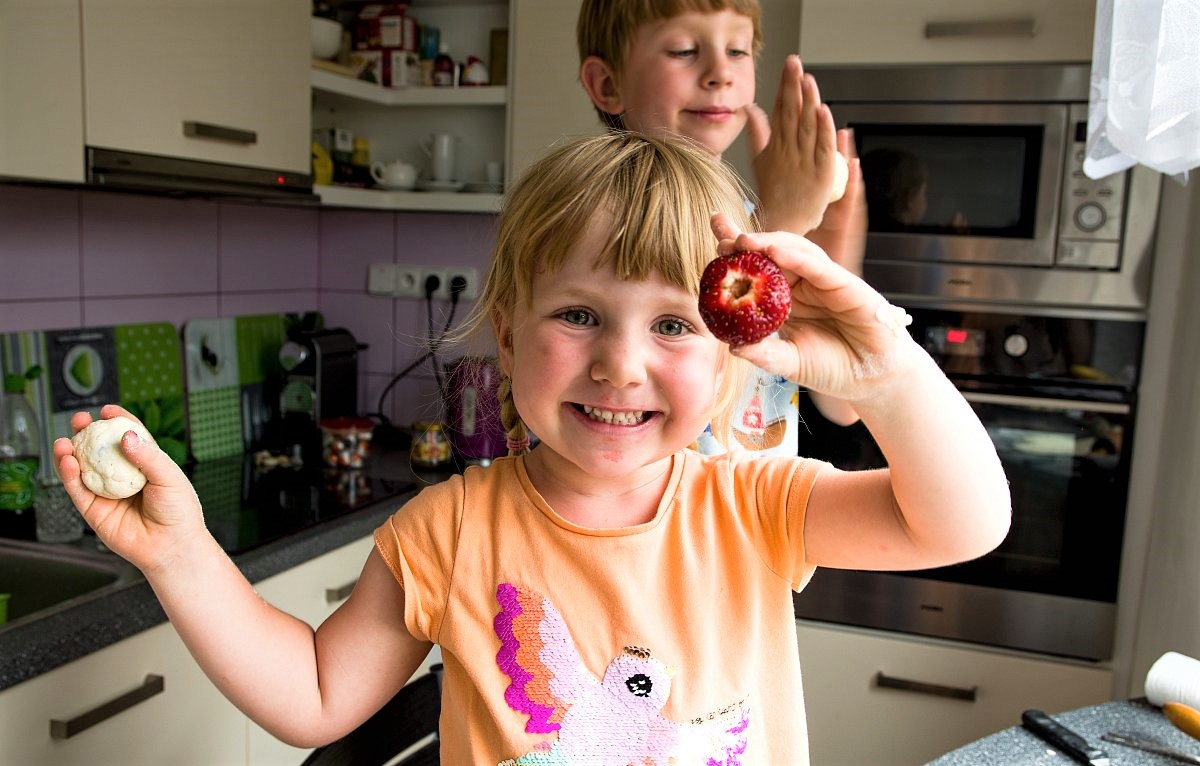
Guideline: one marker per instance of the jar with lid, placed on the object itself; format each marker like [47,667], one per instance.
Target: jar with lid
[20,450]
[430,445]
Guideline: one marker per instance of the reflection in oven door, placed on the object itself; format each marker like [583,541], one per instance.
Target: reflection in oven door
[1051,585]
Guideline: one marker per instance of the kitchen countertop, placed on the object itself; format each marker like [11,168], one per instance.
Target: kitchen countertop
[91,622]
[1017,747]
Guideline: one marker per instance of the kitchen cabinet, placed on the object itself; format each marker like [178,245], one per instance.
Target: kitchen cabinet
[41,92]
[397,121]
[214,80]
[873,697]
[186,722]
[932,31]
[311,591]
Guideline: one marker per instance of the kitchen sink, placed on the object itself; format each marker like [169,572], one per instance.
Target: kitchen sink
[41,578]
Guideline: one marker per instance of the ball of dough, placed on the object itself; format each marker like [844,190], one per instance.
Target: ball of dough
[841,174]
[102,465]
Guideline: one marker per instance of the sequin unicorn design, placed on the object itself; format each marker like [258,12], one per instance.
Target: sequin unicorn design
[613,721]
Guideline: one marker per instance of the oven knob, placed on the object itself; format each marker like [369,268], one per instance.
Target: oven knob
[1090,216]
[1016,344]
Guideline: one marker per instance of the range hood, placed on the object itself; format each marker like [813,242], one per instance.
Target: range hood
[133,171]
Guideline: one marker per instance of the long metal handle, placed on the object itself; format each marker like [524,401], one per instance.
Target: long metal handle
[1046,403]
[921,687]
[219,132]
[60,729]
[1023,27]
[340,593]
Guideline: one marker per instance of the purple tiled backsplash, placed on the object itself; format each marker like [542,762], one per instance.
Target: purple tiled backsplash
[71,258]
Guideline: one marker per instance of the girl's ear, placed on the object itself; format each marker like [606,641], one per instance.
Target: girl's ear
[503,329]
[600,82]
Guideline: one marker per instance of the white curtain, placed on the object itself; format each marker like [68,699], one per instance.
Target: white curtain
[1145,87]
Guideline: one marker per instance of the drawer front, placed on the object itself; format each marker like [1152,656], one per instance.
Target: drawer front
[872,698]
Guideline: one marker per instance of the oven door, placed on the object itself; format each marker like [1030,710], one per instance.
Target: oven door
[960,183]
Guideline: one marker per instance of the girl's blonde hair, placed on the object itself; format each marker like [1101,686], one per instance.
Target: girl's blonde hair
[605,29]
[659,195]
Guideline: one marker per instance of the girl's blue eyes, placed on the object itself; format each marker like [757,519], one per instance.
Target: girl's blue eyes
[670,327]
[577,316]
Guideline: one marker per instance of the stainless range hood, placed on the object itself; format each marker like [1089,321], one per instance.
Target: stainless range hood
[132,171]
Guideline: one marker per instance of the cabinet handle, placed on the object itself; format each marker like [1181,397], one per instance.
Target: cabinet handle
[334,595]
[60,729]
[920,687]
[983,28]
[219,132]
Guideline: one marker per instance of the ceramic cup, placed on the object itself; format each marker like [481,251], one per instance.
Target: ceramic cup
[495,172]
[441,149]
[394,174]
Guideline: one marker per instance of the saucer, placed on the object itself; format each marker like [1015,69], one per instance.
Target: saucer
[484,188]
[444,186]
[395,187]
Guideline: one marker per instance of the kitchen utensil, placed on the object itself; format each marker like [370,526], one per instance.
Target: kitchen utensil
[1185,717]
[1062,738]
[1150,746]
[440,147]
[394,175]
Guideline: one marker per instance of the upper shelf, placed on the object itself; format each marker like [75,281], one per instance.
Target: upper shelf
[338,89]
[444,202]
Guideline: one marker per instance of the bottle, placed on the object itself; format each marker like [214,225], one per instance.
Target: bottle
[20,447]
[443,68]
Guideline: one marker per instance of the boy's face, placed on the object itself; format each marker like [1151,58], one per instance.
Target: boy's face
[690,75]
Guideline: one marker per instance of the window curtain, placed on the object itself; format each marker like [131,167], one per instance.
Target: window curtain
[1144,104]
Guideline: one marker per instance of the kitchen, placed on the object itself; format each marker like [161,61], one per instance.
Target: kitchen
[154,259]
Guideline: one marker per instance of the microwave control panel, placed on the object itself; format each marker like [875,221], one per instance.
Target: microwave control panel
[1092,209]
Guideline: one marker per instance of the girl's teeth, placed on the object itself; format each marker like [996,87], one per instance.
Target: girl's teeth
[617,418]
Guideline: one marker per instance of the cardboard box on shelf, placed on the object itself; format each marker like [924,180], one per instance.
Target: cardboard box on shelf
[384,25]
[391,68]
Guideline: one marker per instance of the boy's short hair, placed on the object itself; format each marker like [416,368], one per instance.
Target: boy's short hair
[657,194]
[605,28]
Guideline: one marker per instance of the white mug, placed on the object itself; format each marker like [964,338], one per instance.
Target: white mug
[495,172]
[395,174]
[440,148]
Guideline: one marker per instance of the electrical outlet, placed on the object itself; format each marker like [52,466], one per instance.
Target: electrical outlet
[381,279]
[440,291]
[471,275]
[409,282]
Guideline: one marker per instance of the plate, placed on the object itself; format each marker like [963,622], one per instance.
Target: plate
[484,188]
[444,186]
[397,187]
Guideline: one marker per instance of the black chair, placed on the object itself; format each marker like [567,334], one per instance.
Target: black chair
[408,718]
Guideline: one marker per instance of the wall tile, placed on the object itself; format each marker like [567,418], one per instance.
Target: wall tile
[141,245]
[101,312]
[18,316]
[351,240]
[369,319]
[265,247]
[285,302]
[40,261]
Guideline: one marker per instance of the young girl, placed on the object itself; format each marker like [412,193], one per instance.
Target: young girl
[609,596]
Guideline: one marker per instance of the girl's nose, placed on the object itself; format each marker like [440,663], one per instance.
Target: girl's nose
[718,73]
[618,361]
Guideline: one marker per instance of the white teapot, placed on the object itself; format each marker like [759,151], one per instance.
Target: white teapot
[396,174]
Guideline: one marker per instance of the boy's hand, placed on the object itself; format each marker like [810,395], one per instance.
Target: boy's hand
[793,153]
[842,338]
[843,231]
[148,528]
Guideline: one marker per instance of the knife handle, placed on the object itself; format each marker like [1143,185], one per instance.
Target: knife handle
[1060,736]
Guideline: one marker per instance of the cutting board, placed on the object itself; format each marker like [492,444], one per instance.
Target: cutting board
[137,366]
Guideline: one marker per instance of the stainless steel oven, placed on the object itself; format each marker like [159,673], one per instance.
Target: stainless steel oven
[1057,393]
[1028,283]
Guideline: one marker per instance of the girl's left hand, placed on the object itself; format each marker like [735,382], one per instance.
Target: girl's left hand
[842,338]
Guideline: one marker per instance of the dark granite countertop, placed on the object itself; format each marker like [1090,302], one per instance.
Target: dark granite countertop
[1017,747]
[89,623]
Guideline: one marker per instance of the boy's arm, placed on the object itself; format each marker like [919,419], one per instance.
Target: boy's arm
[305,688]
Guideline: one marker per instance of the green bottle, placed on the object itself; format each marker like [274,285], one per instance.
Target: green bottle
[20,446]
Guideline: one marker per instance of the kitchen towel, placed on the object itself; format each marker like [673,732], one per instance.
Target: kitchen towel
[1174,677]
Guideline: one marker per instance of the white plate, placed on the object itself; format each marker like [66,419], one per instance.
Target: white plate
[484,188]
[388,187]
[445,186]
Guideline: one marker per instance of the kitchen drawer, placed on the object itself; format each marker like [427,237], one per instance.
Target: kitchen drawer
[187,722]
[873,32]
[956,694]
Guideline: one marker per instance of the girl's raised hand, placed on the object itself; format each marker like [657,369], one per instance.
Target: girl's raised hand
[149,528]
[842,337]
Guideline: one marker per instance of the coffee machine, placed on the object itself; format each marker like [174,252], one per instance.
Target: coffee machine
[320,381]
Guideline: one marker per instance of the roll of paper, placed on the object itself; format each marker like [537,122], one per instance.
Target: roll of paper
[1174,677]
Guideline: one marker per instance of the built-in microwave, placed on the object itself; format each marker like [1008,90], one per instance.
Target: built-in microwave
[976,190]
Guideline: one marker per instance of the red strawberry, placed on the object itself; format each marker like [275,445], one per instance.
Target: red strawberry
[744,297]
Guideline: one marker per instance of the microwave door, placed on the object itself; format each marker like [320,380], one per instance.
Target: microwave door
[961,183]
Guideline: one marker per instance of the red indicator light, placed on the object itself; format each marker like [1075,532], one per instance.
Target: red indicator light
[280,180]
[956,336]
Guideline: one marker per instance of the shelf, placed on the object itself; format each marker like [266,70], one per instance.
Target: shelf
[339,89]
[374,199]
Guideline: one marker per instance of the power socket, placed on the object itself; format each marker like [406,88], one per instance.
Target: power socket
[409,282]
[470,275]
[405,281]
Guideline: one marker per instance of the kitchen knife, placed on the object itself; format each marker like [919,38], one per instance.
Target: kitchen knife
[1063,738]
[1150,747]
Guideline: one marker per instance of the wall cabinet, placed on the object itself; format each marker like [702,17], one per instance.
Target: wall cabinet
[931,31]
[872,697]
[187,722]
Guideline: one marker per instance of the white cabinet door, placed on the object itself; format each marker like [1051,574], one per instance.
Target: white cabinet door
[874,698]
[187,722]
[933,31]
[231,68]
[41,93]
